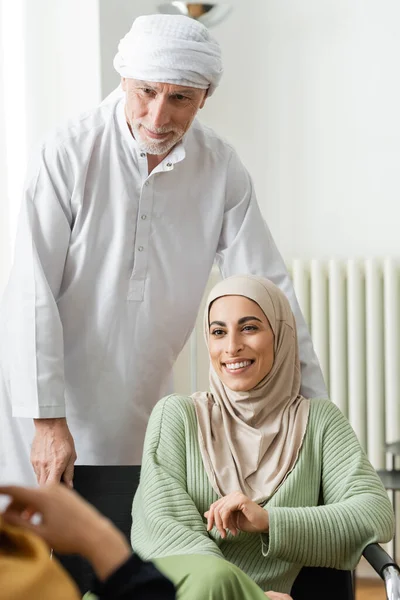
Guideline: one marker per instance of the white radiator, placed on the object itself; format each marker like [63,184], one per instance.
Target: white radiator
[353,311]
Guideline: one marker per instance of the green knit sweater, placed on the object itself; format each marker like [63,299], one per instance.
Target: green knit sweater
[174,493]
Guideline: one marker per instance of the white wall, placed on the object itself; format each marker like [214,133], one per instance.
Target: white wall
[61,77]
[310,98]
[62,62]
[4,230]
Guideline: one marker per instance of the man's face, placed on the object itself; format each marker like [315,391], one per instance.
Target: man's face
[159,114]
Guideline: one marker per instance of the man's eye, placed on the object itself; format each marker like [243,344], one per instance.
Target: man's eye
[147,90]
[180,97]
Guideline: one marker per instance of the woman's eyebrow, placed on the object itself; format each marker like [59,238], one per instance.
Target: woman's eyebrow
[220,323]
[240,322]
[245,319]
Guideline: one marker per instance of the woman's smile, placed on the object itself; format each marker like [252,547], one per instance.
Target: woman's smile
[238,366]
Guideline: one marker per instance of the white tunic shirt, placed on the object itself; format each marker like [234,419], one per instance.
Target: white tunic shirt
[110,267]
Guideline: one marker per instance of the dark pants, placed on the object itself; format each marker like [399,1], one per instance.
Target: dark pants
[110,489]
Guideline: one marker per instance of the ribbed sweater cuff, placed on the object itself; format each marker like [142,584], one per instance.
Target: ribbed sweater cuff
[289,533]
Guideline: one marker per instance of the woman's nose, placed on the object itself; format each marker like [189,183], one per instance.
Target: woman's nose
[234,345]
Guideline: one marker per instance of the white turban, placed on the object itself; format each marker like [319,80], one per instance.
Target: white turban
[170,49]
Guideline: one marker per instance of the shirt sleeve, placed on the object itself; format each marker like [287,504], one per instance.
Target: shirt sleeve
[36,334]
[246,246]
[135,579]
[355,508]
[165,520]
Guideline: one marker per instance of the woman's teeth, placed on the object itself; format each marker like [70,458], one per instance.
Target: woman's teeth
[238,365]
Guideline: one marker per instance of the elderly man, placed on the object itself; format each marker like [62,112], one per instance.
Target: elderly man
[125,211]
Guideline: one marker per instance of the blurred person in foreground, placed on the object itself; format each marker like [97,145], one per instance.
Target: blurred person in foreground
[69,524]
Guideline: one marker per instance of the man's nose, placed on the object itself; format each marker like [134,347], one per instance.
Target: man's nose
[160,112]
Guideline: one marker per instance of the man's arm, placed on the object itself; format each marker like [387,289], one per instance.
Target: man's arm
[246,246]
[36,346]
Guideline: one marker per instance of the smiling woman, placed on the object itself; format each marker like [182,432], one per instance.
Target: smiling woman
[259,402]
[241,349]
[237,471]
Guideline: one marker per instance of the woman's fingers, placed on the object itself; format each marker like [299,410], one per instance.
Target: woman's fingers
[210,518]
[214,518]
[221,515]
[229,519]
[218,522]
[231,526]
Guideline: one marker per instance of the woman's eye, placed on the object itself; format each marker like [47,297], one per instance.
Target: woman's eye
[217,332]
[250,328]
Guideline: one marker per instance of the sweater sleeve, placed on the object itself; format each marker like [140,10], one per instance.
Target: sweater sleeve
[165,520]
[356,510]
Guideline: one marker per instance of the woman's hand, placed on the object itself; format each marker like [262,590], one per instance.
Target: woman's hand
[278,596]
[68,524]
[236,512]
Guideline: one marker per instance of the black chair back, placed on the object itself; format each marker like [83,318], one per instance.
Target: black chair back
[110,489]
[314,583]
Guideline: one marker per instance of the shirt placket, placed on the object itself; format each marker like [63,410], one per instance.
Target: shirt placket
[142,238]
[143,225]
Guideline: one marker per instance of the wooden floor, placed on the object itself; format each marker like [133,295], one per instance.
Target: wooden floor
[370,590]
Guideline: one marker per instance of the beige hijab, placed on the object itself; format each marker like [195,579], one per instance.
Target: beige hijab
[250,440]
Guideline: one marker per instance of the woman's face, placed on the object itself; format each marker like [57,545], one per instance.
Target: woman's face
[241,342]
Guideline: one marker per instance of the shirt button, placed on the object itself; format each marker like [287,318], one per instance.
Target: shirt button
[146,183]
[142,154]
[144,217]
[140,248]
[169,165]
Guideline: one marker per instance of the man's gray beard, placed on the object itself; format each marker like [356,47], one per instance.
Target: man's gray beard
[156,148]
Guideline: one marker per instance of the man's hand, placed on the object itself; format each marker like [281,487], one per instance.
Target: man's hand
[236,512]
[53,452]
[68,524]
[278,596]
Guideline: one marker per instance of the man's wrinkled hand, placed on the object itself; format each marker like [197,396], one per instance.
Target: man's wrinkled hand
[53,452]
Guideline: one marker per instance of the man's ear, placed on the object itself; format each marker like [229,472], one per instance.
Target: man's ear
[123,83]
